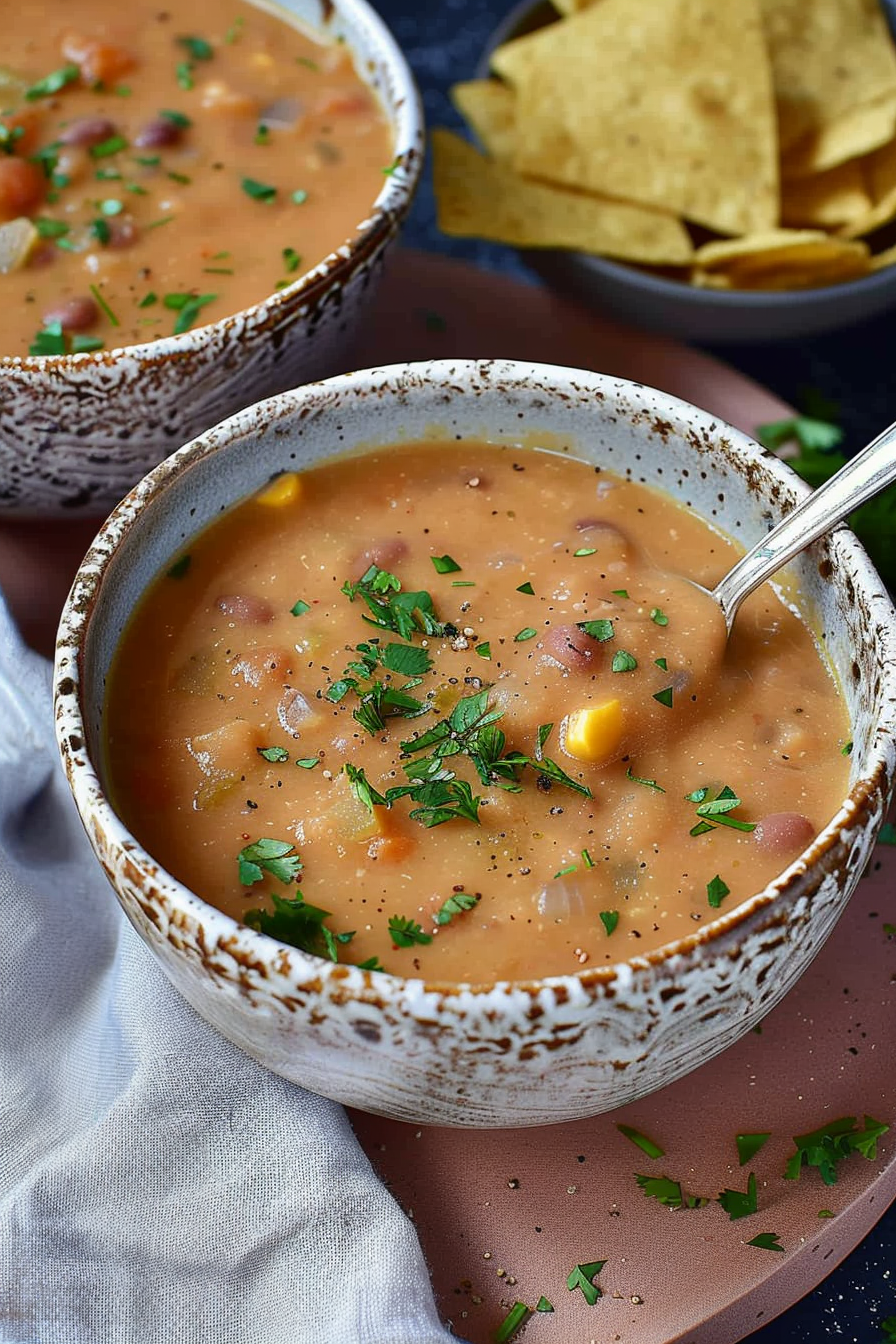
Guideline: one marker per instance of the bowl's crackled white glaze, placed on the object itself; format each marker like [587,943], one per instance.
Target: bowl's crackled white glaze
[78,431]
[506,1054]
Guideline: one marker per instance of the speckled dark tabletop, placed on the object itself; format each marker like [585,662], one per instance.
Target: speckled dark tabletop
[443,41]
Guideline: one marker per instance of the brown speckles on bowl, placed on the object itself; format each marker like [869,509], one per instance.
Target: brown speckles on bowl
[501,1054]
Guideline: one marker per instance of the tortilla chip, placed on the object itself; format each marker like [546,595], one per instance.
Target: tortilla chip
[783,259]
[880,173]
[482,198]
[665,102]
[856,133]
[827,199]
[829,57]
[489,109]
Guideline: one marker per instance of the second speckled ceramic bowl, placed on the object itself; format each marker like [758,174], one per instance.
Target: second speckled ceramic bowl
[505,1054]
[78,431]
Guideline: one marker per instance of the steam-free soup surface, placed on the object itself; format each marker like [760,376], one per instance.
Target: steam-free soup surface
[166,166]
[459,697]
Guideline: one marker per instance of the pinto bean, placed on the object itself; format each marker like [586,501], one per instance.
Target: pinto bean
[123,232]
[572,647]
[22,186]
[76,314]
[384,554]
[784,833]
[245,608]
[87,131]
[610,541]
[158,134]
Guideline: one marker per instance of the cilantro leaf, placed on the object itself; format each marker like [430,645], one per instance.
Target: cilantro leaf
[299,924]
[641,1140]
[276,857]
[609,919]
[407,932]
[456,904]
[767,1241]
[740,1204]
[276,755]
[748,1146]
[582,1278]
[669,1193]
[362,787]
[831,1143]
[716,891]
[600,630]
[517,1316]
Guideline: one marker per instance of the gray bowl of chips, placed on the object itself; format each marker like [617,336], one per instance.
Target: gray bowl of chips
[723,180]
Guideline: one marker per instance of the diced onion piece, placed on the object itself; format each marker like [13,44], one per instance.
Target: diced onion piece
[593,733]
[17,240]
[227,750]
[281,115]
[294,712]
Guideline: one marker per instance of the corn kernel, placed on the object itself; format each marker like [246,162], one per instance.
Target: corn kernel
[286,489]
[594,733]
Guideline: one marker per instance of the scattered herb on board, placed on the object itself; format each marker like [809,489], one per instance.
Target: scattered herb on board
[739,1203]
[669,1193]
[582,1278]
[767,1241]
[887,834]
[748,1145]
[516,1317]
[825,1147]
[821,454]
[543,1304]
[641,1141]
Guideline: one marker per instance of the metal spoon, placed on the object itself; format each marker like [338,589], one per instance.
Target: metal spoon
[863,476]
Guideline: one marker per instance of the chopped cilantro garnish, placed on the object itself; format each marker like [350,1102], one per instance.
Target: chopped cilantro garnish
[585,550]
[748,1145]
[527,589]
[658,616]
[276,755]
[648,783]
[51,228]
[587,859]
[188,307]
[528,632]
[582,1277]
[301,925]
[600,630]
[623,662]
[299,608]
[178,119]
[307,762]
[620,592]
[148,300]
[609,919]
[362,788]
[444,564]
[113,145]
[276,857]
[197,47]
[83,345]
[641,1140]
[665,697]
[543,1304]
[184,74]
[54,82]
[484,650]
[95,291]
[669,1193]
[299,197]
[738,1203]
[180,567]
[716,891]
[767,1241]
[405,613]
[262,134]
[291,260]
[518,1314]
[846,749]
[101,231]
[407,932]
[111,207]
[235,30]
[259,191]
[715,811]
[50,340]
[456,904]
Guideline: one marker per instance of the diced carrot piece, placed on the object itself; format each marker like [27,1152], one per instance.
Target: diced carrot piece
[391,848]
[344,104]
[22,187]
[99,62]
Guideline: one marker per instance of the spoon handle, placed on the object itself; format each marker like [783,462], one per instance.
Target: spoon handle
[865,475]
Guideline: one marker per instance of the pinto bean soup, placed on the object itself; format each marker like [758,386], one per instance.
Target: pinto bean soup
[452,710]
[162,168]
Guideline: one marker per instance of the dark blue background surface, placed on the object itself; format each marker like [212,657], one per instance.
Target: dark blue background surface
[443,42]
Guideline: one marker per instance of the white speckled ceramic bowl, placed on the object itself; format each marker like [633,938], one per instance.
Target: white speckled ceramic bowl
[78,431]
[503,1054]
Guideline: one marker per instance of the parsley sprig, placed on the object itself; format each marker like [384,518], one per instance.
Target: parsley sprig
[391,608]
[825,1147]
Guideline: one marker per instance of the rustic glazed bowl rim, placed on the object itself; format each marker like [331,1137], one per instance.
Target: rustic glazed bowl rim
[870,787]
[389,206]
[637,276]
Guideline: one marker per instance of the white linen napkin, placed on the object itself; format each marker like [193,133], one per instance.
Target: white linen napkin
[156,1185]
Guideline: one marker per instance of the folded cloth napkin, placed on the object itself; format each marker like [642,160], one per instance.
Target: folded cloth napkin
[156,1185]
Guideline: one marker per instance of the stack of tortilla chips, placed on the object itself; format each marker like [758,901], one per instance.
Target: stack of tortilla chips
[747,145]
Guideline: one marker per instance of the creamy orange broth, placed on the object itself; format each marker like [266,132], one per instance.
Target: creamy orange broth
[244,646]
[185,162]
